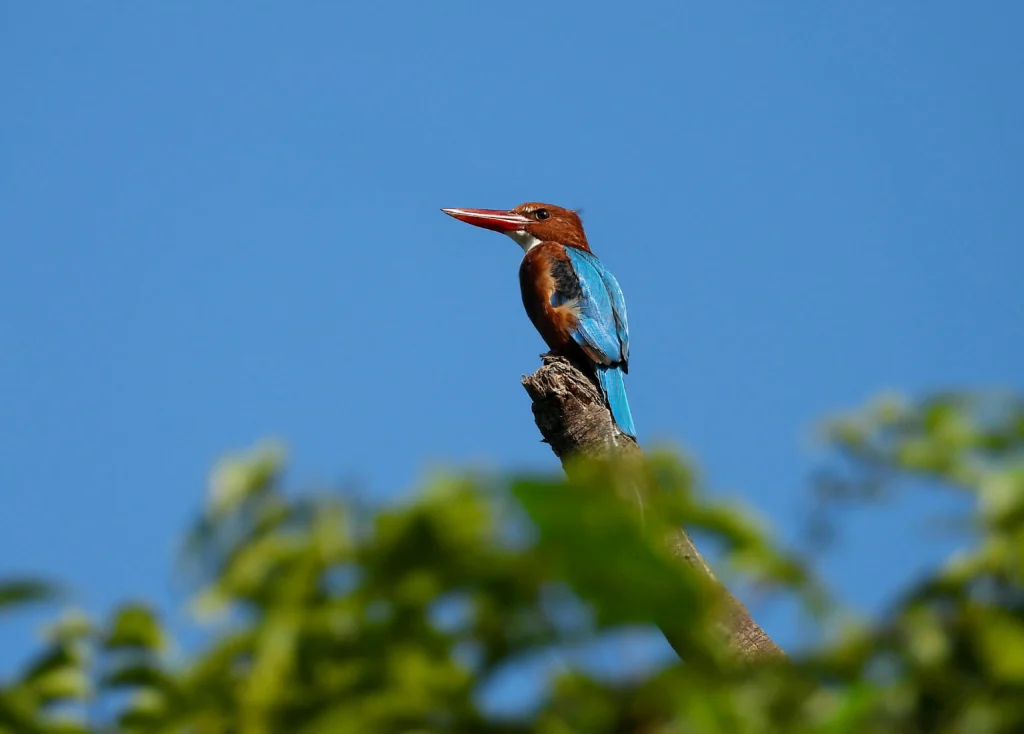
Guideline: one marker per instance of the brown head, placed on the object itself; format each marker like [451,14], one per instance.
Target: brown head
[529,224]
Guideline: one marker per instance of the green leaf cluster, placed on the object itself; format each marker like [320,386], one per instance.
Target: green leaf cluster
[322,615]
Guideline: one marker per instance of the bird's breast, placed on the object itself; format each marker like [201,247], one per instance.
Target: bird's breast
[551,293]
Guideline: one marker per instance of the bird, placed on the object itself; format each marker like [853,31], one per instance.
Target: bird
[572,299]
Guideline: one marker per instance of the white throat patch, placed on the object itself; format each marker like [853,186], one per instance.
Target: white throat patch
[524,239]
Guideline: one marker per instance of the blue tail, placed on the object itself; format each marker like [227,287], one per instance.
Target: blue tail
[614,390]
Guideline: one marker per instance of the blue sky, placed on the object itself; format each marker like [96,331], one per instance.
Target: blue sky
[219,223]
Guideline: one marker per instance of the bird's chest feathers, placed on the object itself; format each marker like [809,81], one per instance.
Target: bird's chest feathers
[551,289]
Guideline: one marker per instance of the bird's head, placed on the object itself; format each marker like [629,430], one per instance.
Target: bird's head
[529,224]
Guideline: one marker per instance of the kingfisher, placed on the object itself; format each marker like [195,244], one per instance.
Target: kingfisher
[572,299]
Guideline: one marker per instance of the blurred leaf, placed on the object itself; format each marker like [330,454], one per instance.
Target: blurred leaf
[237,478]
[1002,644]
[597,544]
[137,675]
[71,627]
[70,682]
[19,592]
[135,625]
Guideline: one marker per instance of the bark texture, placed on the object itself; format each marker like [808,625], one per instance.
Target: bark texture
[571,415]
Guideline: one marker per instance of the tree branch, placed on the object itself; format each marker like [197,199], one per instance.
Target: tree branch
[571,415]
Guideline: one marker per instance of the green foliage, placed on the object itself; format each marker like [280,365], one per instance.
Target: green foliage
[326,616]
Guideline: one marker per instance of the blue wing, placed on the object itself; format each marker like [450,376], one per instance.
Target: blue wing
[602,329]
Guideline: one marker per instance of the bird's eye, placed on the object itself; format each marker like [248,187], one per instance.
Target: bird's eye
[542,214]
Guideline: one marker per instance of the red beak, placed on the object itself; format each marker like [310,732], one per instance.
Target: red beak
[494,219]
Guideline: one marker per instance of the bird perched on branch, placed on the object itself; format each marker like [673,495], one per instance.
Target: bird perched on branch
[573,300]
